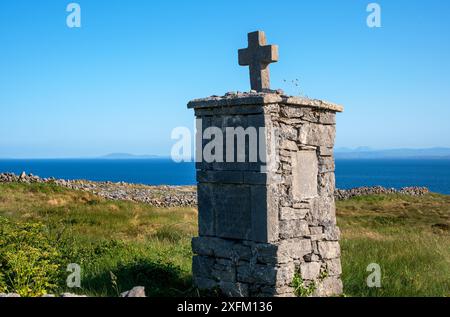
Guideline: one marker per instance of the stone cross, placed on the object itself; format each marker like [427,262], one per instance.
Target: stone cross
[258,56]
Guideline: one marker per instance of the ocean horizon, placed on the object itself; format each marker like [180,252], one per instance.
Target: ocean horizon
[350,173]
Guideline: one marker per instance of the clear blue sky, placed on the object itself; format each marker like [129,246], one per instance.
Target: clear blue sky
[121,82]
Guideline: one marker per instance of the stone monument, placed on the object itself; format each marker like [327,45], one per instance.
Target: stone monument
[267,223]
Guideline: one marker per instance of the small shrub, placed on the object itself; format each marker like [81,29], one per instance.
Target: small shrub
[29,264]
[300,289]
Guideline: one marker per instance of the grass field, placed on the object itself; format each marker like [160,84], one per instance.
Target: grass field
[123,244]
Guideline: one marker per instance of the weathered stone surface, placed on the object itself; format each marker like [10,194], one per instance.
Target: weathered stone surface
[71,295]
[329,249]
[310,271]
[334,267]
[202,266]
[225,177]
[305,173]
[220,248]
[311,257]
[293,229]
[233,212]
[327,117]
[325,151]
[284,252]
[322,212]
[137,291]
[317,134]
[288,132]
[289,145]
[288,213]
[206,215]
[9,295]
[246,99]
[292,112]
[257,274]
[205,283]
[330,286]
[280,291]
[326,184]
[316,230]
[234,289]
[326,164]
[332,233]
[224,273]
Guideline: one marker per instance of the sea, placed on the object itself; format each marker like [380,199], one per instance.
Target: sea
[350,173]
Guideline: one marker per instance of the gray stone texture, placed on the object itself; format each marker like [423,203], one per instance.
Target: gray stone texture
[262,222]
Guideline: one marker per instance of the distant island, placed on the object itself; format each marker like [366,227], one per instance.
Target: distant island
[340,153]
[128,156]
[368,153]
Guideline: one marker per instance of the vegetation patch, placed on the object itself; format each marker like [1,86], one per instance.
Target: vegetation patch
[121,244]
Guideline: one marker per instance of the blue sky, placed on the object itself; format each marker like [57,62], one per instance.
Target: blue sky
[121,82]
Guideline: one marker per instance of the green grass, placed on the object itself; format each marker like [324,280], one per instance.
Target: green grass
[407,236]
[123,244]
[137,243]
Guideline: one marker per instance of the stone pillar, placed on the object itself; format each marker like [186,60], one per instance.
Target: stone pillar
[265,223]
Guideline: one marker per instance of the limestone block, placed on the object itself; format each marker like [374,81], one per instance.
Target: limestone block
[288,213]
[206,216]
[224,273]
[288,145]
[224,177]
[278,291]
[332,233]
[317,134]
[292,112]
[330,286]
[264,208]
[305,174]
[310,115]
[293,229]
[301,205]
[202,266]
[322,212]
[326,164]
[285,251]
[310,271]
[316,230]
[232,211]
[257,274]
[204,283]
[326,117]
[288,132]
[325,151]
[326,184]
[329,249]
[334,267]
[234,289]
[220,248]
[285,274]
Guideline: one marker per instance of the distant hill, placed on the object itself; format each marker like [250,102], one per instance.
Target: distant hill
[124,156]
[367,153]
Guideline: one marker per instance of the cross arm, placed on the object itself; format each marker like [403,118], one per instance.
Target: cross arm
[268,54]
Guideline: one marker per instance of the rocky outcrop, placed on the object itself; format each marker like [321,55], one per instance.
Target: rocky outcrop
[158,196]
[343,194]
[138,291]
[176,196]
